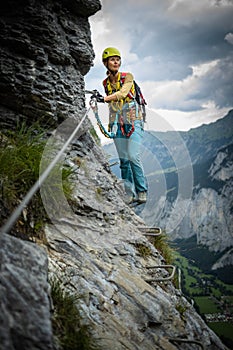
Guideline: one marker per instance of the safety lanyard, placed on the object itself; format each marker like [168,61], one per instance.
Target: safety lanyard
[118,119]
[112,134]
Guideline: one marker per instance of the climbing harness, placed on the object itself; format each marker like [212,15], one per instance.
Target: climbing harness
[119,109]
[120,81]
[135,92]
[128,107]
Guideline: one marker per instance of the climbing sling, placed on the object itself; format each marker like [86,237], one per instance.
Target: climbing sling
[94,107]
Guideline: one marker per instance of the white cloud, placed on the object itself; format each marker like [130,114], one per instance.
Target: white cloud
[183,121]
[178,51]
[179,94]
[202,69]
[229,38]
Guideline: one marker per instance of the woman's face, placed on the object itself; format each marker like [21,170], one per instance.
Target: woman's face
[114,63]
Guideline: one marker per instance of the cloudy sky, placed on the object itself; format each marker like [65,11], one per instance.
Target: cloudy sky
[179,51]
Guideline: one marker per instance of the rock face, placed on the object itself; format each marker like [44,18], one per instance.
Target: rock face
[92,246]
[45,51]
[94,253]
[24,292]
[210,210]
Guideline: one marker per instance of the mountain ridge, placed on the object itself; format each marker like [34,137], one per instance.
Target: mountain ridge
[205,135]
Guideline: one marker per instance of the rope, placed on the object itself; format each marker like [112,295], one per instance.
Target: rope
[16,213]
[110,135]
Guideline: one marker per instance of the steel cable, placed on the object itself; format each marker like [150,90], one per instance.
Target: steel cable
[16,213]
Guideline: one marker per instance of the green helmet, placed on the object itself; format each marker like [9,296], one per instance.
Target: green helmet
[109,52]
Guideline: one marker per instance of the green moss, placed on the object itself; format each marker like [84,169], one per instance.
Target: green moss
[181,309]
[95,136]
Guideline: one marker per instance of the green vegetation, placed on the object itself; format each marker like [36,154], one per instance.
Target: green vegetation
[95,136]
[206,305]
[197,283]
[224,331]
[197,255]
[181,309]
[99,193]
[20,156]
[21,151]
[210,295]
[143,250]
[163,245]
[225,274]
[67,323]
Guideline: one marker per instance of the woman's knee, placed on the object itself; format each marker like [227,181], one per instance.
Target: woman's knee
[124,163]
[134,158]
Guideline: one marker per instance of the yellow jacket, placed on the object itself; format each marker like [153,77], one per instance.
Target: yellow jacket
[131,113]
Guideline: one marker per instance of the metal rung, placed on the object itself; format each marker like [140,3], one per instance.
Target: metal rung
[151,234]
[162,278]
[180,340]
[151,231]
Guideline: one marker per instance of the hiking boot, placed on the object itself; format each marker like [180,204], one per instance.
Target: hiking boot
[142,197]
[130,200]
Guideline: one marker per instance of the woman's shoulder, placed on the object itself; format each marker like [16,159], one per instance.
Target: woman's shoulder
[105,81]
[127,75]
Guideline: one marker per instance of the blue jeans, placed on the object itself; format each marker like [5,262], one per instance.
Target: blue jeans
[129,152]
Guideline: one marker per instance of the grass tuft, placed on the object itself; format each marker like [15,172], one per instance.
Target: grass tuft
[67,321]
[20,156]
[162,244]
[143,250]
[95,136]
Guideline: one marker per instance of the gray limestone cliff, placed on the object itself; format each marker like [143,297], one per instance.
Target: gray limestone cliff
[209,217]
[91,245]
[45,51]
